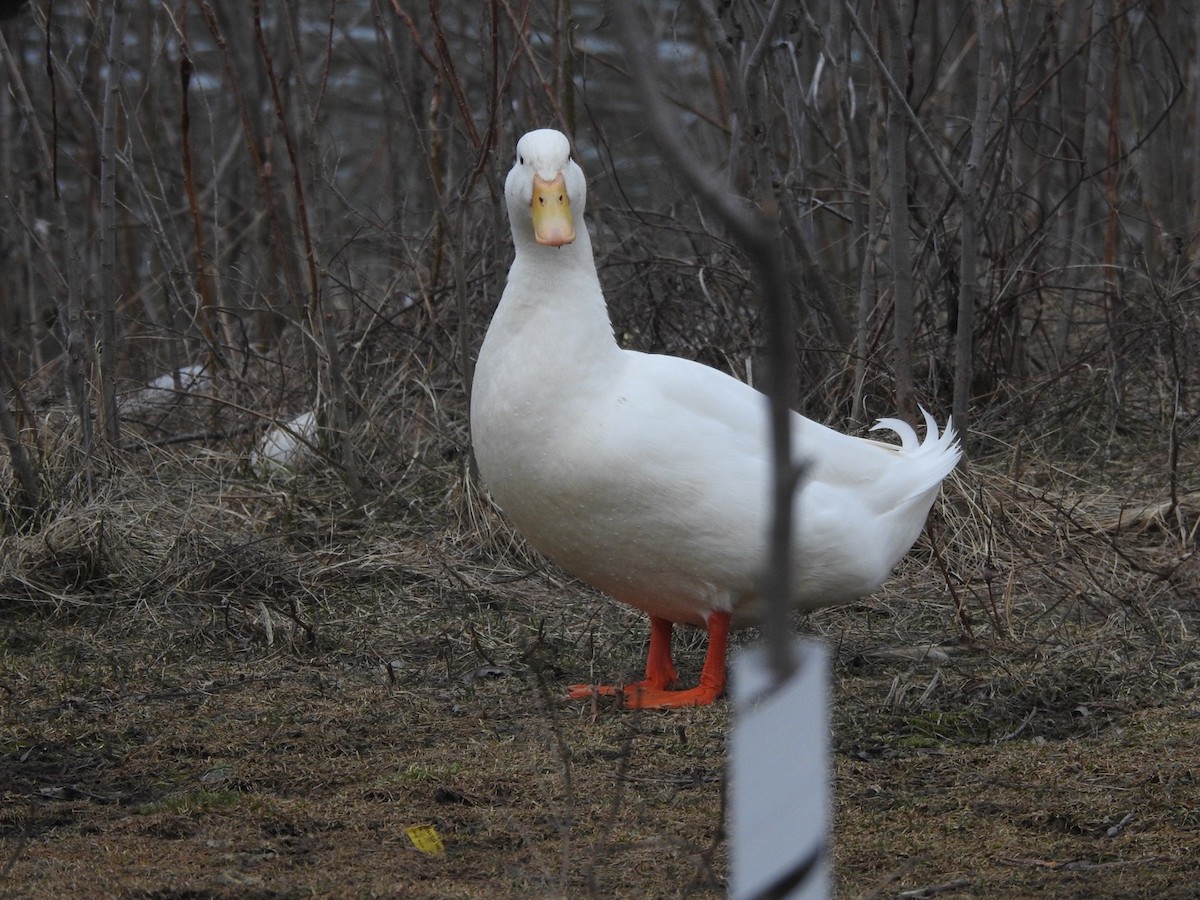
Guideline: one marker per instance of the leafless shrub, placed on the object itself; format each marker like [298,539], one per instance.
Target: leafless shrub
[309,210]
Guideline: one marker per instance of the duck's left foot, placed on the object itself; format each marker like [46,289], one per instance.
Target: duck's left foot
[587,691]
[660,670]
[642,695]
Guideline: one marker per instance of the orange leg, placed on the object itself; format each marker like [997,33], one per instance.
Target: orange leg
[654,692]
[660,669]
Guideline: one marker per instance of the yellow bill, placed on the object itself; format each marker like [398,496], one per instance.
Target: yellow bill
[551,212]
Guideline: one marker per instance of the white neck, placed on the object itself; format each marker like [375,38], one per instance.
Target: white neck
[555,291]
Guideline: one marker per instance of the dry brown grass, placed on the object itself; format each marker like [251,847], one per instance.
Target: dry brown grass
[215,685]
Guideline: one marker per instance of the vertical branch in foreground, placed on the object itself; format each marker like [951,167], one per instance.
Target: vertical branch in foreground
[757,231]
[901,252]
[778,756]
[969,205]
[457,233]
[114,70]
[320,323]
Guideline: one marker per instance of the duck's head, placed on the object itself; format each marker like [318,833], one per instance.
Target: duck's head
[545,190]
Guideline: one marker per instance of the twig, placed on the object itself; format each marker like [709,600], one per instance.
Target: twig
[1016,731]
[190,436]
[897,93]
[207,301]
[970,209]
[932,890]
[29,495]
[564,759]
[614,807]
[960,609]
[1079,865]
[114,64]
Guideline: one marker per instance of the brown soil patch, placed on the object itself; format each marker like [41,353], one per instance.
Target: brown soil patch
[265,712]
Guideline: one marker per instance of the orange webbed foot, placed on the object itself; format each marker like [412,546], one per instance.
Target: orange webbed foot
[587,691]
[648,698]
[642,695]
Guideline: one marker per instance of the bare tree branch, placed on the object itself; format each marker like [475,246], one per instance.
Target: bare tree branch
[970,205]
[114,65]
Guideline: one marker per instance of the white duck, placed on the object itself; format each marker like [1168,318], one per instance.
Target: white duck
[648,476]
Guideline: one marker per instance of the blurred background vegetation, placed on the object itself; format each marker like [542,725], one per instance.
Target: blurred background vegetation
[218,217]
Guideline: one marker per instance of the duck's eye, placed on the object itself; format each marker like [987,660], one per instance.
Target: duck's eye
[520,159]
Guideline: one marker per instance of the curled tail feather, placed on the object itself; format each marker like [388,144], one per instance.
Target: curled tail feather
[930,460]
